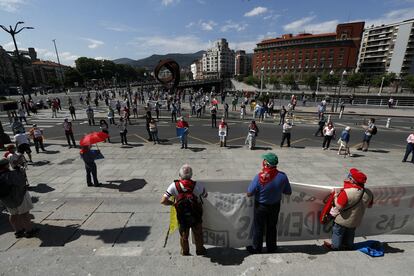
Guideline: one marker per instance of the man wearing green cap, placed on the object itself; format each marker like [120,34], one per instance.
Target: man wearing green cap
[267,188]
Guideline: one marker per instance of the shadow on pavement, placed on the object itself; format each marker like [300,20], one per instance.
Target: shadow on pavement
[53,235]
[227,256]
[194,149]
[130,146]
[380,151]
[41,188]
[262,148]
[299,147]
[356,155]
[131,185]
[67,161]
[310,249]
[234,147]
[40,163]
[51,152]
[390,249]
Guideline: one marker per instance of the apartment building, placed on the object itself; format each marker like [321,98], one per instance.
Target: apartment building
[218,61]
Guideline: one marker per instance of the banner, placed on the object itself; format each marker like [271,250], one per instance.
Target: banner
[228,213]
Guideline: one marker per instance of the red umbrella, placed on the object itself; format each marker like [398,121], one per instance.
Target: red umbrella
[93,138]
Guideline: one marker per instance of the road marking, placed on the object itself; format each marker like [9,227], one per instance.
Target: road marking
[142,138]
[297,141]
[235,139]
[268,143]
[84,122]
[201,140]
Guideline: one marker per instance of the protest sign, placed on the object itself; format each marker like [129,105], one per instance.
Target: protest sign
[228,213]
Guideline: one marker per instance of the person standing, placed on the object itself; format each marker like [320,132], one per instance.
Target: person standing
[17,200]
[89,156]
[37,136]
[226,110]
[90,115]
[183,138]
[111,116]
[267,188]
[72,112]
[370,130]
[410,148]
[350,205]
[328,134]
[154,131]
[148,118]
[282,114]
[67,126]
[23,144]
[223,132]
[344,142]
[104,128]
[135,109]
[123,131]
[242,111]
[157,110]
[189,216]
[286,133]
[321,125]
[213,111]
[173,112]
[22,115]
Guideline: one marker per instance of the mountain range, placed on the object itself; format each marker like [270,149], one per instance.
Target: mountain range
[184,60]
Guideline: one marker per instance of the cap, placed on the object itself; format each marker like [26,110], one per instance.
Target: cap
[358,176]
[271,158]
[348,128]
[4,162]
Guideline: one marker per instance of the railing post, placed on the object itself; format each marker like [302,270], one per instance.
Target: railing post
[366,102]
[381,102]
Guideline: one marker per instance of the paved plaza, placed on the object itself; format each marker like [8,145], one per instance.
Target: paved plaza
[120,228]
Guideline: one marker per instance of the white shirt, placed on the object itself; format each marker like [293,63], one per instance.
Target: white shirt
[21,138]
[329,132]
[199,190]
[410,139]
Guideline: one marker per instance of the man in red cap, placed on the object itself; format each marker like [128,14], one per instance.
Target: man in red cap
[350,205]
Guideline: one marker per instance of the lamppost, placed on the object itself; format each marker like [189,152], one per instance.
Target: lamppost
[317,85]
[13,32]
[344,73]
[261,79]
[382,85]
[331,74]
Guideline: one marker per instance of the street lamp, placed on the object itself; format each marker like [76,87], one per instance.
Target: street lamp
[344,73]
[13,32]
[382,85]
[261,79]
[60,65]
[331,74]
[317,85]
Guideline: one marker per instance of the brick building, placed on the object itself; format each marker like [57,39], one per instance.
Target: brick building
[306,53]
[242,63]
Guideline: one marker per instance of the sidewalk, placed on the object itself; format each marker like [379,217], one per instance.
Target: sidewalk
[120,228]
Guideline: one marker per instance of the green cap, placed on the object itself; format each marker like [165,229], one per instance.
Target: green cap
[271,158]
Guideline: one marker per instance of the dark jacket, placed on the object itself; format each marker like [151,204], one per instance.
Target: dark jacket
[89,158]
[12,188]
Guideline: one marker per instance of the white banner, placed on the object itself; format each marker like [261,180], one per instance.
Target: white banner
[228,213]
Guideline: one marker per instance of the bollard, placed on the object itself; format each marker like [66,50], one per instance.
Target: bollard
[293,120]
[388,123]
[329,118]
[340,114]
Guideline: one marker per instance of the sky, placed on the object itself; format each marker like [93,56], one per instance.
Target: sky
[109,29]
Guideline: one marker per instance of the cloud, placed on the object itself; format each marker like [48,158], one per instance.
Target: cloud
[208,25]
[201,2]
[164,45]
[391,17]
[11,5]
[230,25]
[9,46]
[304,24]
[256,11]
[116,27]
[94,43]
[248,46]
[169,2]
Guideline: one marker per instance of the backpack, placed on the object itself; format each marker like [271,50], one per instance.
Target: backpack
[189,210]
[374,130]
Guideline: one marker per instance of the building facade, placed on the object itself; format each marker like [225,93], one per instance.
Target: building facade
[387,49]
[197,69]
[242,64]
[306,53]
[218,61]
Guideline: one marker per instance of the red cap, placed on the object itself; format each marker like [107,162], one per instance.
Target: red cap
[358,176]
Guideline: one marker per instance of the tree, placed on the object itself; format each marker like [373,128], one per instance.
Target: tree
[71,76]
[251,80]
[311,81]
[273,80]
[409,82]
[354,80]
[288,80]
[388,79]
[330,80]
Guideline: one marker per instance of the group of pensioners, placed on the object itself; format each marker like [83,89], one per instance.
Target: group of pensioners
[267,188]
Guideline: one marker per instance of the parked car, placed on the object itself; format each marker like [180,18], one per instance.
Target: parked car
[41,105]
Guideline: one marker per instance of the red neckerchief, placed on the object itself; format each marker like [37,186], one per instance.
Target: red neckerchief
[348,185]
[223,124]
[267,174]
[187,184]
